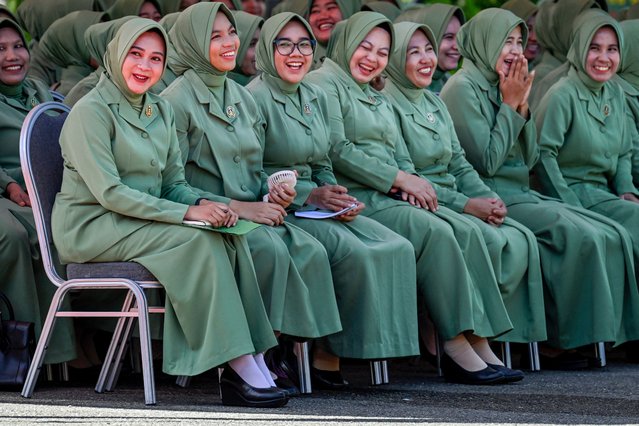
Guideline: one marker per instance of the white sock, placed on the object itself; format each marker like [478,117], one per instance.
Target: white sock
[259,360]
[463,354]
[482,348]
[246,367]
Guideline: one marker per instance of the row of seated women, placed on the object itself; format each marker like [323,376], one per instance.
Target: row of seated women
[443,225]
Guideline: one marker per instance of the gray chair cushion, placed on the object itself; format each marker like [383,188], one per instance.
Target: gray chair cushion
[131,270]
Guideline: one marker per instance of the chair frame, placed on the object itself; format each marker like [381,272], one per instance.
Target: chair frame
[135,305]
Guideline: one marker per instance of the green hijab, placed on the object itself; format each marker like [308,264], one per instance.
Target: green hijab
[387,9]
[247,24]
[12,91]
[629,68]
[63,43]
[521,8]
[37,15]
[543,25]
[295,6]
[237,4]
[563,18]
[347,7]
[191,37]
[6,11]
[396,69]
[588,24]
[98,36]
[481,39]
[265,52]
[357,28]
[130,8]
[169,6]
[119,47]
[338,29]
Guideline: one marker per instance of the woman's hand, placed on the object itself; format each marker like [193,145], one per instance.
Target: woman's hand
[629,196]
[17,195]
[217,214]
[282,194]
[351,214]
[416,190]
[260,212]
[491,210]
[515,87]
[331,197]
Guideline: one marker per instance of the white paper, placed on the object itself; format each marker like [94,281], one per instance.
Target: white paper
[322,214]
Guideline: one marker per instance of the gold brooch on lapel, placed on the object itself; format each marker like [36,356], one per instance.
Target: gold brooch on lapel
[149,111]
[307,109]
[430,117]
[606,110]
[34,102]
[372,100]
[230,111]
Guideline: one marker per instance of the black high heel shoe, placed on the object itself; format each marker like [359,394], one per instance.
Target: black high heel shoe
[510,375]
[328,380]
[235,391]
[454,373]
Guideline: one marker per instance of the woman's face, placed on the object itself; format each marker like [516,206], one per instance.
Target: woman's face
[248,64]
[532,47]
[421,60]
[603,56]
[14,57]
[448,56]
[224,44]
[323,16]
[371,56]
[292,67]
[149,11]
[513,47]
[144,63]
[254,7]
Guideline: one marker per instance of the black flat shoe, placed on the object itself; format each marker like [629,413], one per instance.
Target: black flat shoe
[456,374]
[235,391]
[510,375]
[328,380]
[286,386]
[283,363]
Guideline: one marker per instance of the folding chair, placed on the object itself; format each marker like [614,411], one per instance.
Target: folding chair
[57,96]
[42,166]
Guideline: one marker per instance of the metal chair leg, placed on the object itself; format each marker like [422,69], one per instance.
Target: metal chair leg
[183,381]
[379,372]
[600,353]
[505,354]
[439,350]
[303,367]
[533,355]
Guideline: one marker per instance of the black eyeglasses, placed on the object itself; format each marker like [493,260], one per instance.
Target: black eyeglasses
[286,47]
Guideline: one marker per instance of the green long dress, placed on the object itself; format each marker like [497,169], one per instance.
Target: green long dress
[435,16]
[123,198]
[63,45]
[590,288]
[22,276]
[373,268]
[247,25]
[455,278]
[628,78]
[434,149]
[218,125]
[584,139]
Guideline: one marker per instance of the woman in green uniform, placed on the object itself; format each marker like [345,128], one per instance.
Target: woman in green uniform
[584,138]
[218,125]
[248,27]
[22,276]
[455,278]
[124,197]
[149,9]
[444,20]
[434,149]
[586,261]
[373,268]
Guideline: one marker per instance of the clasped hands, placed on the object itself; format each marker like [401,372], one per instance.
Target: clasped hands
[515,87]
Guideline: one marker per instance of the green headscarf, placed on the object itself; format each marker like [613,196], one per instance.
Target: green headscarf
[12,91]
[347,7]
[295,6]
[191,37]
[481,39]
[5,10]
[63,43]
[103,5]
[98,36]
[543,25]
[387,9]
[396,69]
[338,29]
[521,8]
[247,24]
[36,16]
[119,47]
[265,52]
[629,68]
[563,18]
[130,8]
[169,6]
[589,24]
[357,28]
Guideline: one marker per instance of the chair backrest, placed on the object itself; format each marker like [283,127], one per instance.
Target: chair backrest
[42,165]
[57,96]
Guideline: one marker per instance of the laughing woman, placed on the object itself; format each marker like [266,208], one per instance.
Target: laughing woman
[219,127]
[124,197]
[373,268]
[590,288]
[455,278]
[432,144]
